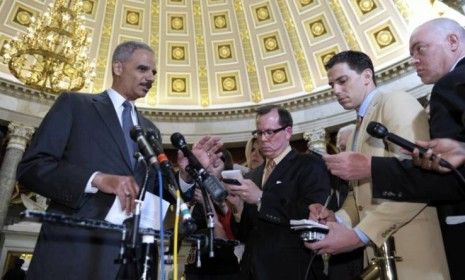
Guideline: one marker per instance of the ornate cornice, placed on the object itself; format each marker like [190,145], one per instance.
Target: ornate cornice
[322,96]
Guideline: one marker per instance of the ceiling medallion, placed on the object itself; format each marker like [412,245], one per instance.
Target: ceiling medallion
[23,17]
[132,18]
[177,53]
[224,51]
[318,28]
[384,37]
[263,13]
[87,6]
[325,58]
[271,44]
[177,23]
[220,21]
[366,6]
[304,3]
[229,83]
[178,85]
[279,76]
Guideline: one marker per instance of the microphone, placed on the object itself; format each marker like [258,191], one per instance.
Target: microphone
[378,130]
[188,223]
[211,183]
[137,135]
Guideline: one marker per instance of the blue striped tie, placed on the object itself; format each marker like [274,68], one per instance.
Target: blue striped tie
[127,126]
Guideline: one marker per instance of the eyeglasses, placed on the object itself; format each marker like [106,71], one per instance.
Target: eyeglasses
[267,133]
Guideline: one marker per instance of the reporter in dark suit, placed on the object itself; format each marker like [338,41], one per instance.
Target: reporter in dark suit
[432,183]
[272,250]
[80,160]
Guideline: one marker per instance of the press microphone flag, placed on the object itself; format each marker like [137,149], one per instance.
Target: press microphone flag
[378,130]
[213,186]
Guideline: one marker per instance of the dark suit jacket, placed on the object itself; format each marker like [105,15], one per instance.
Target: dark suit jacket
[80,135]
[402,181]
[272,250]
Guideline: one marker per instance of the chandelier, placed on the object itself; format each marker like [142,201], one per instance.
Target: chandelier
[52,55]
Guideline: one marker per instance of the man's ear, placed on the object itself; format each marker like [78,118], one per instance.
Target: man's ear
[367,75]
[117,68]
[288,132]
[453,41]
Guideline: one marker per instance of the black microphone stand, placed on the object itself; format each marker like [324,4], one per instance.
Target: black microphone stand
[209,216]
[129,266]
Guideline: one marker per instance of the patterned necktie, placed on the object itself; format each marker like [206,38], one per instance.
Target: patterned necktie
[127,126]
[270,165]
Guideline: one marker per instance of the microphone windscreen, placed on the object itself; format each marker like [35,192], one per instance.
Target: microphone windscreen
[377,130]
[136,131]
[178,140]
[154,140]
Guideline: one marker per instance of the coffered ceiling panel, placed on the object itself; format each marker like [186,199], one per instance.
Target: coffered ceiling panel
[217,54]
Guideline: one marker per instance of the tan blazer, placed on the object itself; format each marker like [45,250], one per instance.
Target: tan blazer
[415,226]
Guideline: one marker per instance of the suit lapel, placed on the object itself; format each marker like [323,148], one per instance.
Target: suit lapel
[363,136]
[278,171]
[104,107]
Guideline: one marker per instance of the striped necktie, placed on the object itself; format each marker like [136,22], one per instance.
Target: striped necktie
[127,126]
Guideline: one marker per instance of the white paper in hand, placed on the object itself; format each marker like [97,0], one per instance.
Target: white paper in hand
[307,224]
[232,174]
[150,217]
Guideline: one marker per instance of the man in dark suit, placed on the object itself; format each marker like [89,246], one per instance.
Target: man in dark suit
[81,160]
[437,48]
[277,191]
[422,184]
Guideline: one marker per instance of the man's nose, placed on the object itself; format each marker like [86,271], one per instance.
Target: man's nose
[336,90]
[414,61]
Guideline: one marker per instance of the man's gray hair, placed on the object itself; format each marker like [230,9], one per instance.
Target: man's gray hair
[124,50]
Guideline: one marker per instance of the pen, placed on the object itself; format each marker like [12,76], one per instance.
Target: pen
[328,199]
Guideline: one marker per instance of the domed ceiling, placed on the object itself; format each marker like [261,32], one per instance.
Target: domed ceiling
[222,58]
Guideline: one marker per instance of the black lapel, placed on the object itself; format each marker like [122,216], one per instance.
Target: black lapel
[106,110]
[280,169]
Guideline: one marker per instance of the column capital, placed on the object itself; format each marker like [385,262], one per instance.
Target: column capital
[19,135]
[316,139]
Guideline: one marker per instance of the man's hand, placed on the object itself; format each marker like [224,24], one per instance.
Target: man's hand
[236,203]
[124,187]
[450,150]
[206,150]
[321,214]
[247,191]
[340,239]
[349,165]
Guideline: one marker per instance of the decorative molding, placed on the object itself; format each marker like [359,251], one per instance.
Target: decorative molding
[101,65]
[175,115]
[344,24]
[256,93]
[201,55]
[296,46]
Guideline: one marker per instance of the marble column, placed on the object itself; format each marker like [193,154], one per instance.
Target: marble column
[316,140]
[19,136]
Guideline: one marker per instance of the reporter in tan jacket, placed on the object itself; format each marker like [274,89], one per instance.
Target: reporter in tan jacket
[363,219]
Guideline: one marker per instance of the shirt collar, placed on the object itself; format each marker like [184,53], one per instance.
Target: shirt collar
[366,102]
[281,155]
[116,98]
[457,62]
